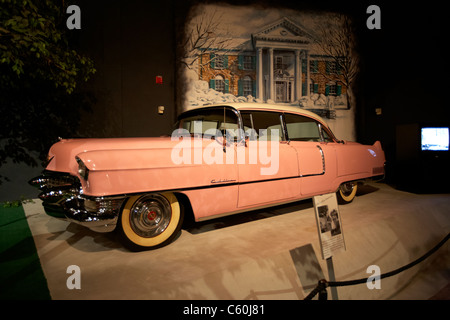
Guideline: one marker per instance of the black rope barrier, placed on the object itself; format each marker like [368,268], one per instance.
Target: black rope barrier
[324,284]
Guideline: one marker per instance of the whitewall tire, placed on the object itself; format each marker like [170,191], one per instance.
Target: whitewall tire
[347,192]
[150,221]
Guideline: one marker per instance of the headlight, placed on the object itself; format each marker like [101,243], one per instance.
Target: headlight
[83,171]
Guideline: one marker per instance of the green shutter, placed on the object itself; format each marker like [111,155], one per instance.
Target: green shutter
[241,62]
[225,62]
[304,89]
[327,67]
[327,90]
[212,57]
[240,87]
[227,86]
[212,84]
[254,88]
[316,88]
[338,90]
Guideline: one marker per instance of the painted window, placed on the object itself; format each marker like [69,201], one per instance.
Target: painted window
[218,61]
[247,86]
[331,67]
[220,84]
[333,89]
[246,62]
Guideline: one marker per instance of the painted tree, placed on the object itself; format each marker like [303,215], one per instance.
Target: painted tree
[204,34]
[336,39]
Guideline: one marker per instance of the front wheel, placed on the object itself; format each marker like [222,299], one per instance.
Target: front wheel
[347,192]
[150,221]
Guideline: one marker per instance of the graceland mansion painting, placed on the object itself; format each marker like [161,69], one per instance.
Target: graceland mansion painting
[271,55]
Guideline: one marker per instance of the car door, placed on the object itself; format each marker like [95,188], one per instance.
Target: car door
[315,153]
[267,164]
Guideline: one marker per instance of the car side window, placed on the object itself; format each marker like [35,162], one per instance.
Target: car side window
[262,125]
[208,121]
[300,128]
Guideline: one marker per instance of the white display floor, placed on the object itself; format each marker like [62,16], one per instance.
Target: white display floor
[267,254]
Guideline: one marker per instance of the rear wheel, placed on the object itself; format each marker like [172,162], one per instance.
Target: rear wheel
[150,221]
[347,192]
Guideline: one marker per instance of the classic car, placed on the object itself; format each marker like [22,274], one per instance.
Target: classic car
[219,160]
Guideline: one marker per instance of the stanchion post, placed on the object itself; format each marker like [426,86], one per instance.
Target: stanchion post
[332,278]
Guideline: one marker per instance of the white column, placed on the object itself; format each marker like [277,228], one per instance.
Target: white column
[300,61]
[271,75]
[297,76]
[307,74]
[259,74]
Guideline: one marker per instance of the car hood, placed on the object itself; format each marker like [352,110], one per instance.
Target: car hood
[134,165]
[62,155]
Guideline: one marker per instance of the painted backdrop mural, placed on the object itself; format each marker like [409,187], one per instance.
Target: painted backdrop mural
[252,54]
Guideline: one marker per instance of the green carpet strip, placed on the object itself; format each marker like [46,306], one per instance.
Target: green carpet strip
[21,275]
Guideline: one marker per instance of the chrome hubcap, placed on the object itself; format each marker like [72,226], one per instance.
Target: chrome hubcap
[347,188]
[150,215]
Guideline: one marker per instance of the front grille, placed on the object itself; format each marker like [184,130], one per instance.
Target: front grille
[62,197]
[56,187]
[53,179]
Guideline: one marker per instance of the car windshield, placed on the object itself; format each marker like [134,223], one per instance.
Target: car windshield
[210,122]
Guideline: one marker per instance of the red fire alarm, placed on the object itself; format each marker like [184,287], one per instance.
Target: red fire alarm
[159,80]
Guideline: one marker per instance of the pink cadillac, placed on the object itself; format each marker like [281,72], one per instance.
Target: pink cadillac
[220,160]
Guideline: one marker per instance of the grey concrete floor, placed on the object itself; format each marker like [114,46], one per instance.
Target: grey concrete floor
[266,254]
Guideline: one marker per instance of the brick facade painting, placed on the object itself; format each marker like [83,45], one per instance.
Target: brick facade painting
[247,54]
[326,78]
[237,71]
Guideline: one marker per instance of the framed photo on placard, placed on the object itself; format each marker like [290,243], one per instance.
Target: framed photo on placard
[329,224]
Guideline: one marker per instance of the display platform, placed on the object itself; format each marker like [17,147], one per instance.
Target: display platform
[267,254]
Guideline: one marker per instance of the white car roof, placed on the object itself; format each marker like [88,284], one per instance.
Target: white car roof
[266,106]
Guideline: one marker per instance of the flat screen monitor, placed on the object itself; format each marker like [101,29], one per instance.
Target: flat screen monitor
[435,139]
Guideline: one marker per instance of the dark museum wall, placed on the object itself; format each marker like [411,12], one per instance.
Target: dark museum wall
[131,43]
[403,67]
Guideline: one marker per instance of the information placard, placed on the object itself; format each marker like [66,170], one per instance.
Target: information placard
[329,224]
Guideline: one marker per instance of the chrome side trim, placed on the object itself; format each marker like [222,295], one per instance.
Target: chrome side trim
[323,158]
[323,165]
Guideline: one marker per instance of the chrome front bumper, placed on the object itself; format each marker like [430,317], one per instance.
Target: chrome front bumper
[62,197]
